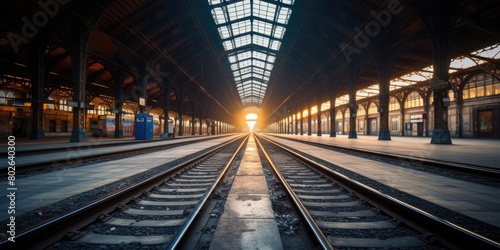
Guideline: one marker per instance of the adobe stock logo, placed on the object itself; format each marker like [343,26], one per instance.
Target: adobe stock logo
[40,19]
[371,30]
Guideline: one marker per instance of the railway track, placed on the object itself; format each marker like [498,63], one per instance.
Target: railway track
[157,211]
[344,213]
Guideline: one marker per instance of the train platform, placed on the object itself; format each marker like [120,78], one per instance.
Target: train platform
[69,151]
[475,200]
[40,190]
[248,220]
[25,144]
[477,152]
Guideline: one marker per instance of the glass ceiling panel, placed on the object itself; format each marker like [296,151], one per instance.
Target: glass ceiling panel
[212,2]
[228,45]
[284,15]
[279,32]
[242,41]
[219,17]
[261,27]
[241,28]
[251,31]
[264,10]
[239,10]
[224,32]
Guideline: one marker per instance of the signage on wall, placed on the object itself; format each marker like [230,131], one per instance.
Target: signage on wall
[417,118]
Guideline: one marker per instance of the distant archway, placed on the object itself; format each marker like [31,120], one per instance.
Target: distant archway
[251,120]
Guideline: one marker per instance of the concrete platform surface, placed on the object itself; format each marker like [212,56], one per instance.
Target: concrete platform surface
[248,220]
[480,152]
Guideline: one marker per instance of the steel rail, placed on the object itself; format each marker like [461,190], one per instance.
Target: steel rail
[447,232]
[177,240]
[316,231]
[52,230]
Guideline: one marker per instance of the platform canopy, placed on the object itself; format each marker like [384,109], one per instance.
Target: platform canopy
[252,32]
[223,56]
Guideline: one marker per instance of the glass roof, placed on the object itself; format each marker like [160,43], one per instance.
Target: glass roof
[251,33]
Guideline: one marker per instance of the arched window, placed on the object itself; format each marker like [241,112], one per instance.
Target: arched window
[3,100]
[361,111]
[451,95]
[394,104]
[481,85]
[414,100]
[62,105]
[338,116]
[372,109]
[92,111]
[49,105]
[10,98]
[347,115]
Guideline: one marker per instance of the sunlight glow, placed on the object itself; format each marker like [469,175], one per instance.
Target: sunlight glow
[251,120]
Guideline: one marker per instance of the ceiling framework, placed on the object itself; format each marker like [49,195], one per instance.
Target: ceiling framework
[251,33]
[228,55]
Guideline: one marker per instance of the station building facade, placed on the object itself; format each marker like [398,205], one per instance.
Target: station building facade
[16,117]
[473,109]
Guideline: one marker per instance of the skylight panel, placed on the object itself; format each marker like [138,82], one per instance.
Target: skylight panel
[246,83]
[242,41]
[264,10]
[259,64]
[259,55]
[219,16]
[232,59]
[275,45]
[341,100]
[246,76]
[262,27]
[252,30]
[242,27]
[284,15]
[212,2]
[239,10]
[271,58]
[244,55]
[245,63]
[245,70]
[224,32]
[228,45]
[279,32]
[261,41]
[489,52]
[258,71]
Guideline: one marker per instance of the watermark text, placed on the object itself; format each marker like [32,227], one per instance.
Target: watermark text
[11,187]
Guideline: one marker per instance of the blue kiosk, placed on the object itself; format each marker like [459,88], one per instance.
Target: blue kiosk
[143,127]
